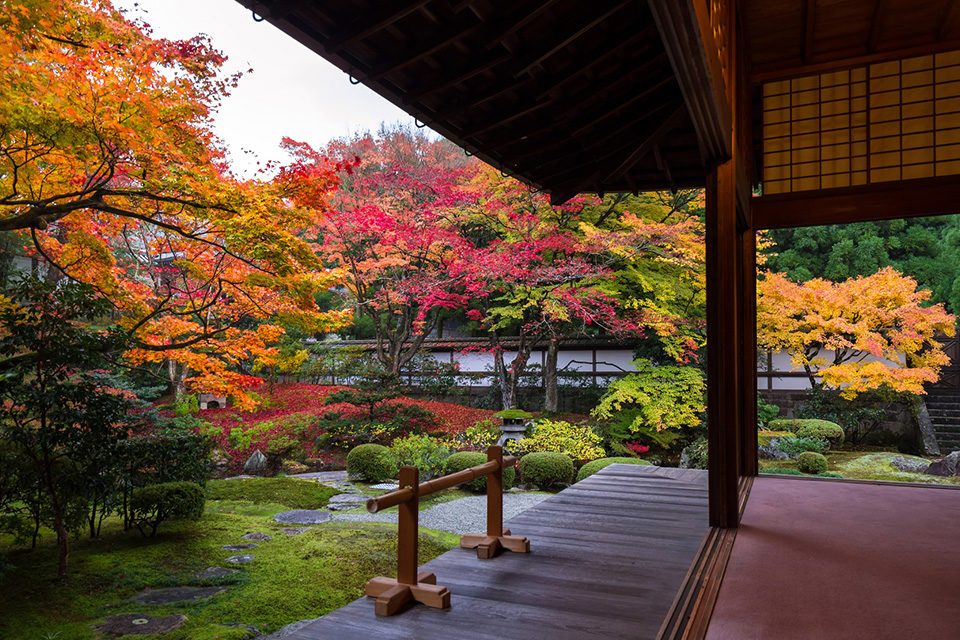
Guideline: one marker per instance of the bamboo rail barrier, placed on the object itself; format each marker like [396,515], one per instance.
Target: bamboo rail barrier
[410,586]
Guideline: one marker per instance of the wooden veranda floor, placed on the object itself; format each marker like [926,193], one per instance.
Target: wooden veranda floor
[607,557]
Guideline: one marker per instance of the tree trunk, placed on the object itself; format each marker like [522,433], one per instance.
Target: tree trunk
[508,387]
[551,396]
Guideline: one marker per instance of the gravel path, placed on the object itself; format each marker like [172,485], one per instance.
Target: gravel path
[463,515]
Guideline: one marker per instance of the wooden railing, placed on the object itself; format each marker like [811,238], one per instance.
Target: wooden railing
[412,586]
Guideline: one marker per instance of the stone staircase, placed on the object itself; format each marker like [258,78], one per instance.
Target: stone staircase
[944,410]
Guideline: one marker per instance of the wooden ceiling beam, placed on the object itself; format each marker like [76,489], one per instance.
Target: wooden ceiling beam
[549,85]
[949,19]
[671,122]
[627,80]
[876,22]
[490,58]
[880,201]
[685,31]
[368,25]
[577,33]
[809,23]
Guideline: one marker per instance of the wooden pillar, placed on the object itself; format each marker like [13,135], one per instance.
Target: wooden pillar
[723,352]
[747,324]
[407,537]
[495,494]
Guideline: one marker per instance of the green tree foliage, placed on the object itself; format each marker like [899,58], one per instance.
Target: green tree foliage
[925,248]
[656,403]
[57,415]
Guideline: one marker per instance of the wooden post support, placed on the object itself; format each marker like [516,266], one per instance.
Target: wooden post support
[497,538]
[409,586]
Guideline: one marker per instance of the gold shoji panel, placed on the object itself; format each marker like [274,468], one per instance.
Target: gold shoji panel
[883,122]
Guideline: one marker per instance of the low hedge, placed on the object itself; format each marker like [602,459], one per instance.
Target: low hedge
[591,468]
[372,463]
[465,460]
[547,469]
[811,462]
[810,428]
[156,503]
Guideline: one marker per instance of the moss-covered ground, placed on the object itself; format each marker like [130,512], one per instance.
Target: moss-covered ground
[869,464]
[291,577]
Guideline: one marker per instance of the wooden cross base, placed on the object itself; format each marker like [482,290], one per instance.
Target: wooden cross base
[491,546]
[392,596]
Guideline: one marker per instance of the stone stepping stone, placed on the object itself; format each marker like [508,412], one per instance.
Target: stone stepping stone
[175,595]
[385,486]
[346,501]
[295,531]
[303,516]
[138,624]
[240,547]
[240,559]
[256,535]
[212,573]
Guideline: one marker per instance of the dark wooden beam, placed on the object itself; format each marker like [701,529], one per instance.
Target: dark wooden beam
[846,59]
[949,19]
[367,25]
[685,32]
[876,23]
[881,201]
[723,354]
[809,22]
[747,370]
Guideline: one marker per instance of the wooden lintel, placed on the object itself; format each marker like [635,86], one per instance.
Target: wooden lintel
[685,32]
[876,22]
[847,59]
[809,22]
[882,201]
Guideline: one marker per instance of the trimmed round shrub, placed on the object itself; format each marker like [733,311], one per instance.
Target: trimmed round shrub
[810,428]
[465,460]
[811,462]
[591,468]
[547,469]
[794,445]
[823,429]
[156,503]
[372,463]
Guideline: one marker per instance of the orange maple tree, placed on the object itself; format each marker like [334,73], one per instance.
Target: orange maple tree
[111,175]
[857,335]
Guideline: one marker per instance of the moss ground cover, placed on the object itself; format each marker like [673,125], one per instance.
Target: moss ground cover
[865,465]
[290,578]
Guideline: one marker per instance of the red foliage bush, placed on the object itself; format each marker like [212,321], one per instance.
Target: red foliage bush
[292,410]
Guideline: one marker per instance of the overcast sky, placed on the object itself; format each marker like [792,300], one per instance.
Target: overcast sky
[291,91]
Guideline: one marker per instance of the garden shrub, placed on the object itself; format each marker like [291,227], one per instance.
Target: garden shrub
[591,468]
[811,462]
[811,428]
[341,433]
[283,448]
[795,445]
[656,403]
[766,412]
[766,436]
[694,455]
[154,504]
[829,431]
[372,463]
[481,435]
[427,454]
[547,469]
[465,460]
[579,442]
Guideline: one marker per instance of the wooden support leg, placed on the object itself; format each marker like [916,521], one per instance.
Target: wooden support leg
[409,586]
[497,539]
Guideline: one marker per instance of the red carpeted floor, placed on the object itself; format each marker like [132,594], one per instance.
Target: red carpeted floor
[818,560]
